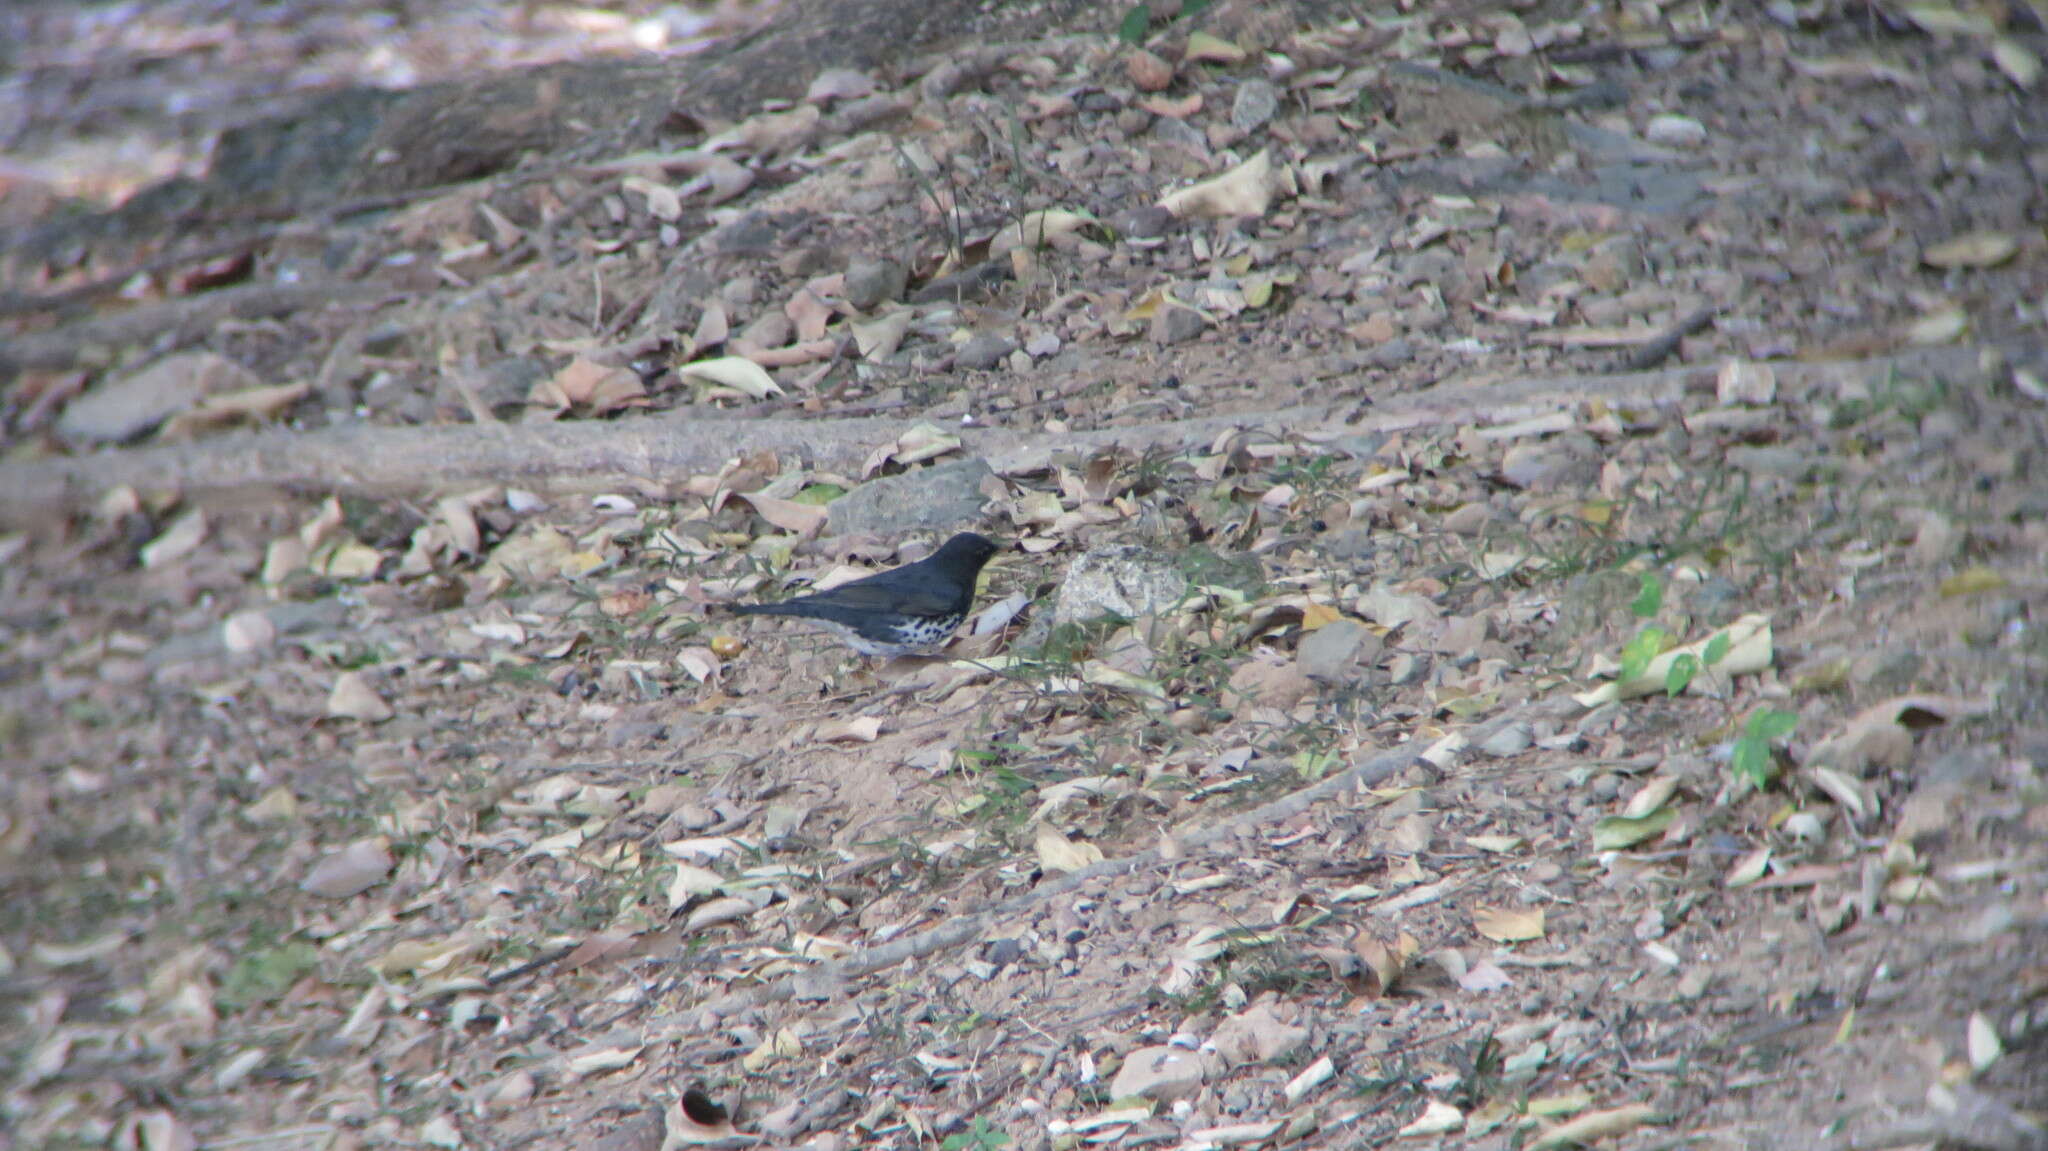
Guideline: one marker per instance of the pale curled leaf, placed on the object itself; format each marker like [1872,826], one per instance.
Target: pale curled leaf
[1508,925]
[352,697]
[1058,853]
[1979,249]
[601,1059]
[1595,1125]
[736,372]
[1246,190]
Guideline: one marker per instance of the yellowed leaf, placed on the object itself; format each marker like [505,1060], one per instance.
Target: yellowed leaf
[1595,1125]
[1978,249]
[1246,190]
[738,373]
[1058,853]
[1203,46]
[1508,925]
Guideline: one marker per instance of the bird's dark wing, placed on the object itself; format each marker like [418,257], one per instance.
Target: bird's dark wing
[879,593]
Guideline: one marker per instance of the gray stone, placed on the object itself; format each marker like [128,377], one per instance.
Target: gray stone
[1509,739]
[1143,223]
[1391,354]
[1176,324]
[125,408]
[1159,1073]
[1674,131]
[1337,650]
[872,281]
[984,350]
[939,498]
[1121,580]
[1257,101]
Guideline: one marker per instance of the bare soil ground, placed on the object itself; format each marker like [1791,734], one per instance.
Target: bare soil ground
[386,775]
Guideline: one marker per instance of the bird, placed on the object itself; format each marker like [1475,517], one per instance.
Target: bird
[911,610]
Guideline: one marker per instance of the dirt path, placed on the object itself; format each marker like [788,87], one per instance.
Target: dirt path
[385,775]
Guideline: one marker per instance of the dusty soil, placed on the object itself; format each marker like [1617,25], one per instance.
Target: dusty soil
[387,775]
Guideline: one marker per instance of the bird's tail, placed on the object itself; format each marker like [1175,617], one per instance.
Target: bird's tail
[765,609]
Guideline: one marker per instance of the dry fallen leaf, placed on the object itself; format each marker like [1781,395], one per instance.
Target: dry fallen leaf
[1595,1125]
[1058,853]
[351,871]
[738,373]
[1508,925]
[1979,249]
[353,698]
[1246,190]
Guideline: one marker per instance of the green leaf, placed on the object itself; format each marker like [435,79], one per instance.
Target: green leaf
[1717,649]
[818,495]
[1136,21]
[1769,723]
[1618,831]
[1680,674]
[1751,762]
[1637,653]
[1194,8]
[1649,599]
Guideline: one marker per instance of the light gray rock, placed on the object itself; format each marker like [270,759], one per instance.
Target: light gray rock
[1256,103]
[1176,324]
[984,350]
[1122,580]
[871,281]
[1336,651]
[943,497]
[1160,1073]
[123,409]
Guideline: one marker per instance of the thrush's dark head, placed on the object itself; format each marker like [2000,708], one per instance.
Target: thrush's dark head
[966,552]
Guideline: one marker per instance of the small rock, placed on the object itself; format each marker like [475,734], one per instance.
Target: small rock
[351,871]
[1406,668]
[385,339]
[123,409]
[984,350]
[1280,685]
[770,330]
[1675,131]
[1468,520]
[1538,467]
[1337,650]
[1391,354]
[1123,580]
[1257,1035]
[938,498]
[871,281]
[1180,134]
[1176,324]
[1042,345]
[1511,739]
[1147,71]
[1743,382]
[1143,223]
[1772,459]
[1160,1073]
[1257,101]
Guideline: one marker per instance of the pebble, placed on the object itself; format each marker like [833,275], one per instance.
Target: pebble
[871,281]
[984,350]
[1256,103]
[1675,131]
[1176,324]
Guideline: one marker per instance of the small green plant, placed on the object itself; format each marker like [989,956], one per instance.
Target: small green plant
[1751,760]
[1137,19]
[980,1137]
